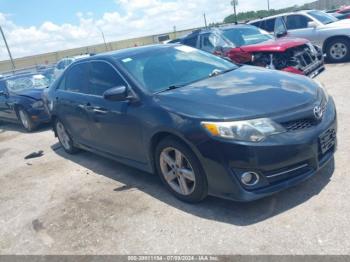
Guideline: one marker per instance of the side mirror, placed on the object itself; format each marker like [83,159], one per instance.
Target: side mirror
[280,28]
[119,93]
[311,24]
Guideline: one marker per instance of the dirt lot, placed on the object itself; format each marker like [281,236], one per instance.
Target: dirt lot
[84,204]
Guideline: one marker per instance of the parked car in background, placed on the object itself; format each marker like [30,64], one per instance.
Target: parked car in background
[247,44]
[340,16]
[322,29]
[64,63]
[21,100]
[204,124]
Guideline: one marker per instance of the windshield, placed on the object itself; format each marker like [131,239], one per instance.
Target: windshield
[323,17]
[27,82]
[163,68]
[241,36]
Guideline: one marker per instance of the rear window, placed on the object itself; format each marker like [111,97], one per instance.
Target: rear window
[27,82]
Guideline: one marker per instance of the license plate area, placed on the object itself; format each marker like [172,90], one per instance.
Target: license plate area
[327,140]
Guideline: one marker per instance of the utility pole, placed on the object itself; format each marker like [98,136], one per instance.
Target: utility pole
[205,21]
[8,49]
[174,31]
[104,39]
[268,5]
[234,3]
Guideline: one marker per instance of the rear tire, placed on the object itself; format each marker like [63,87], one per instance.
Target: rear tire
[64,138]
[338,50]
[180,170]
[25,120]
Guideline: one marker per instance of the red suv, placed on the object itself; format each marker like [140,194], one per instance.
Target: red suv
[246,44]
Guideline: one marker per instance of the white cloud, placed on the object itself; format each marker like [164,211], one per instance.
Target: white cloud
[136,18]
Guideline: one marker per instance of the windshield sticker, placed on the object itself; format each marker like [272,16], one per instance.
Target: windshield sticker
[127,60]
[186,49]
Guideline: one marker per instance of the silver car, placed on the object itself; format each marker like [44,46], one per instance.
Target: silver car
[320,28]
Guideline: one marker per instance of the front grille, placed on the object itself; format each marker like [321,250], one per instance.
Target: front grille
[307,58]
[299,124]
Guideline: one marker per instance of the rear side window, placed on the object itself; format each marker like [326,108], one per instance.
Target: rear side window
[77,78]
[297,22]
[190,41]
[268,25]
[103,77]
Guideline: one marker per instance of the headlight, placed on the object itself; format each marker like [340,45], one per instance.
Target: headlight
[249,130]
[323,91]
[38,104]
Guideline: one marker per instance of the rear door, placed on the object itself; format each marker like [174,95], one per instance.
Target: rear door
[71,102]
[113,129]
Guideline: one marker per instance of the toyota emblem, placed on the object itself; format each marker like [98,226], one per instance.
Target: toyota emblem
[318,112]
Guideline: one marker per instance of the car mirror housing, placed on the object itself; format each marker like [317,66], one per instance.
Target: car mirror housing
[118,93]
[311,24]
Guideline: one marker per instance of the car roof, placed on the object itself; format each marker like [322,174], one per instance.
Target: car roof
[217,28]
[127,52]
[279,15]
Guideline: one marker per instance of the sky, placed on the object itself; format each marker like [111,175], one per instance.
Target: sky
[39,26]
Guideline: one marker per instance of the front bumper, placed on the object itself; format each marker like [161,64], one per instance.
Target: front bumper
[281,160]
[38,115]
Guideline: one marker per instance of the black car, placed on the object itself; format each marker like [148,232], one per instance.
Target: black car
[21,99]
[205,125]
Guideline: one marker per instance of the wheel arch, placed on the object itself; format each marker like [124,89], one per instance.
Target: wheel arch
[330,39]
[159,136]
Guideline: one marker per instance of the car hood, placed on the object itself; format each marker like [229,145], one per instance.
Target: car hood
[345,23]
[275,45]
[31,93]
[247,92]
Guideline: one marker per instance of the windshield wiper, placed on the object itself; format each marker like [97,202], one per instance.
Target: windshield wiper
[217,72]
[172,87]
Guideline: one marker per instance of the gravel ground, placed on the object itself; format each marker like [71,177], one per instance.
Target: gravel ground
[84,204]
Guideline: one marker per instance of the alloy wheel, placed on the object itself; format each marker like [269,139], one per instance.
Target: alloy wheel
[177,171]
[63,136]
[338,51]
[24,119]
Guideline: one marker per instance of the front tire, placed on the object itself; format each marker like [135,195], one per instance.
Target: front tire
[180,170]
[64,138]
[338,50]
[25,120]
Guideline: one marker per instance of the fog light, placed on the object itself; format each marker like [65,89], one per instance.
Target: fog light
[250,178]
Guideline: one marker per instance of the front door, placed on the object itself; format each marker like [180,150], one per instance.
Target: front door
[297,26]
[6,107]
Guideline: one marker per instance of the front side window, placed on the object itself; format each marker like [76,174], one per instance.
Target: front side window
[159,69]
[297,22]
[77,78]
[103,77]
[323,17]
[241,36]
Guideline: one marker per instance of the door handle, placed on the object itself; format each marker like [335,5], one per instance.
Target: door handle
[99,110]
